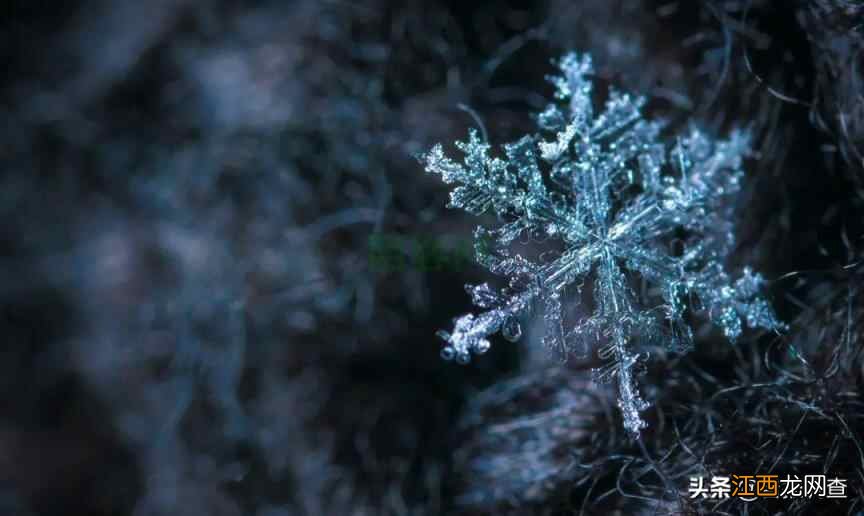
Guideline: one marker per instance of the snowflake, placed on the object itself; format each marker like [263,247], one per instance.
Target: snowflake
[628,214]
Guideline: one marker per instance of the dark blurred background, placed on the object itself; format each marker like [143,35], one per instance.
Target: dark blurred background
[196,317]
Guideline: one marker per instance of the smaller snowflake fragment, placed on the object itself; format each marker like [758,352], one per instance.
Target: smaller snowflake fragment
[624,207]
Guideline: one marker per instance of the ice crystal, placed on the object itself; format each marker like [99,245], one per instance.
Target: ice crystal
[626,210]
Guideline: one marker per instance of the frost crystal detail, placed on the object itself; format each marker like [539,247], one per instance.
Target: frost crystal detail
[643,224]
